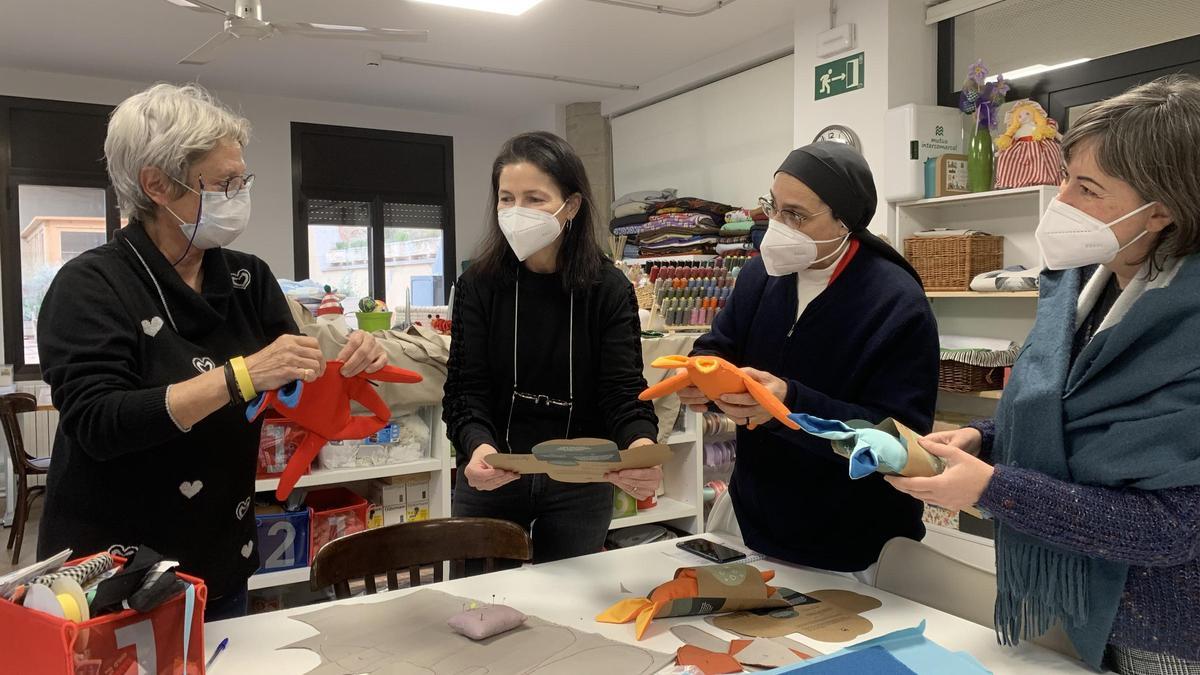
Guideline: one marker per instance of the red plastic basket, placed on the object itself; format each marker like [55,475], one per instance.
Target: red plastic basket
[336,512]
[36,642]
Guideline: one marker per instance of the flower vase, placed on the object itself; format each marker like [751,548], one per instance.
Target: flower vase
[980,156]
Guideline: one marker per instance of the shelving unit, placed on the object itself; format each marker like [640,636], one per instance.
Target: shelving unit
[978,295]
[1013,214]
[669,258]
[682,504]
[437,465]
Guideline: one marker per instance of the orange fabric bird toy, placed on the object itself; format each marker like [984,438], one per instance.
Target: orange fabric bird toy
[715,377]
[322,407]
[700,590]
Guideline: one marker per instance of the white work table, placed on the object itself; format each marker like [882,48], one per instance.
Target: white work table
[572,592]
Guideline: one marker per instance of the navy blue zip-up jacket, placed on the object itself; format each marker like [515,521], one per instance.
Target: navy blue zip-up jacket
[865,348]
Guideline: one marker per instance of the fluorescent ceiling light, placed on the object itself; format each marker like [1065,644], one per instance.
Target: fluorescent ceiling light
[184,3]
[334,26]
[513,7]
[1037,69]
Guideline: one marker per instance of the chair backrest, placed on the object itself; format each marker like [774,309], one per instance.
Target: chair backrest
[922,574]
[12,405]
[412,546]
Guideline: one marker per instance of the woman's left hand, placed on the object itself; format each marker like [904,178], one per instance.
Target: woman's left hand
[960,486]
[362,354]
[745,409]
[640,483]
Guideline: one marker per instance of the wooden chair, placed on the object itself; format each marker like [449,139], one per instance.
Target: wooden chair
[23,465]
[411,546]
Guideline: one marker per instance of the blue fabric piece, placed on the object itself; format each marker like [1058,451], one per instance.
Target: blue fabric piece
[1111,419]
[909,646]
[189,609]
[876,661]
[869,449]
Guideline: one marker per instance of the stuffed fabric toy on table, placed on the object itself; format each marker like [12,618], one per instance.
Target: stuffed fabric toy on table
[888,447]
[700,590]
[322,407]
[715,377]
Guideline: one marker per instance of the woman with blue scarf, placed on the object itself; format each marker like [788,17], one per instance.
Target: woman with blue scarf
[1091,467]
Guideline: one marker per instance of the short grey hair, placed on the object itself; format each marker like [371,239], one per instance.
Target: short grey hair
[168,127]
[1149,137]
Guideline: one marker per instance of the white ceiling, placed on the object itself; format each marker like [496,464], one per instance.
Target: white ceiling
[141,40]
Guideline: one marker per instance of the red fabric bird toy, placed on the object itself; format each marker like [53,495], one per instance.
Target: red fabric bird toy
[322,407]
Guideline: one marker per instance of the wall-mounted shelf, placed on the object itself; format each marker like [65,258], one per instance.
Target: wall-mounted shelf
[978,294]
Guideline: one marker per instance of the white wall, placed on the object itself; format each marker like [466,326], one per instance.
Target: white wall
[476,141]
[722,141]
[900,53]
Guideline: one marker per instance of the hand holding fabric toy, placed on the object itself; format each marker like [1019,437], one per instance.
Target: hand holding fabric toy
[322,407]
[889,447]
[715,377]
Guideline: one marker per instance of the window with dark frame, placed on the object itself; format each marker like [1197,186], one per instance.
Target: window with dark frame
[1067,92]
[374,213]
[55,203]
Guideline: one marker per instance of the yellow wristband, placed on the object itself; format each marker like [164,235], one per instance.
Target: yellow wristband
[242,374]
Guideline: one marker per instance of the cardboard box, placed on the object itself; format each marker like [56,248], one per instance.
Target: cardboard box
[416,512]
[416,488]
[394,515]
[374,516]
[387,493]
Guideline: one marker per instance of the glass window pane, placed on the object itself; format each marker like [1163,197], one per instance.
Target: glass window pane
[413,254]
[1019,33]
[339,249]
[57,223]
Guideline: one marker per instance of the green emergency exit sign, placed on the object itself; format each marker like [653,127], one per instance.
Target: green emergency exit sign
[840,76]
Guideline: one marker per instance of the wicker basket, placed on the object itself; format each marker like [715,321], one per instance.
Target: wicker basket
[964,378]
[949,263]
[645,296]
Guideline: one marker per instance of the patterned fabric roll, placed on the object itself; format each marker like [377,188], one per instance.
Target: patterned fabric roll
[81,573]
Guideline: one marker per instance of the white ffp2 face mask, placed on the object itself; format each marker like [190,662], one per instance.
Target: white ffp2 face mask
[1071,238]
[786,250]
[221,219]
[529,230]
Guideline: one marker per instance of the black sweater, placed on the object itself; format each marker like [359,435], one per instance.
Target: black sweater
[865,348]
[123,474]
[607,363]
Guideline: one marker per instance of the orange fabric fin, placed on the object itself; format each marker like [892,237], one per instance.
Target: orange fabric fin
[768,401]
[644,619]
[668,386]
[624,611]
[672,361]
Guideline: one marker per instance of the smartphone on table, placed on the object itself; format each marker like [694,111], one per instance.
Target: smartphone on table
[711,550]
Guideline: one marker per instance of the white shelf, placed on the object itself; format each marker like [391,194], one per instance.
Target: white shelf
[1033,192]
[667,509]
[669,258]
[283,578]
[991,394]
[977,294]
[334,476]
[681,437]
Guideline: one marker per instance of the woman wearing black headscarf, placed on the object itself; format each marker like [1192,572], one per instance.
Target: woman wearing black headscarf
[835,323]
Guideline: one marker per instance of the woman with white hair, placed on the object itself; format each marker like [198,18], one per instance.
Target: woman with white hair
[153,342]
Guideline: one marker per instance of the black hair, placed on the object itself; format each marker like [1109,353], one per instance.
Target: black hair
[579,257]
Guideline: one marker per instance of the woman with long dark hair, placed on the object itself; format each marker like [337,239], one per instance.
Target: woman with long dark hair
[545,345]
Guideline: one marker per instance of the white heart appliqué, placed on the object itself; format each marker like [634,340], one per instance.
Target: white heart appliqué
[248,549]
[191,489]
[241,279]
[203,364]
[151,326]
[242,508]
[123,551]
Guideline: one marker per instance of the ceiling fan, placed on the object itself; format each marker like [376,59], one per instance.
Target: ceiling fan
[246,20]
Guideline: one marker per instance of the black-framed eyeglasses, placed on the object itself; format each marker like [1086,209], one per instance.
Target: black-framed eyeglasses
[231,186]
[786,216]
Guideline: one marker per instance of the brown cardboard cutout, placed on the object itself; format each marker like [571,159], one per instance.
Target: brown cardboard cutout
[828,616]
[580,460]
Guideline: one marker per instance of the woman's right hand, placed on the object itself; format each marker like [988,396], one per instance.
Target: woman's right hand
[967,439]
[289,358]
[481,476]
[691,396]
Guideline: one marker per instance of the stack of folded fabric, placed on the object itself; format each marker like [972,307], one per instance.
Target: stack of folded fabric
[735,233]
[635,208]
[685,226]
